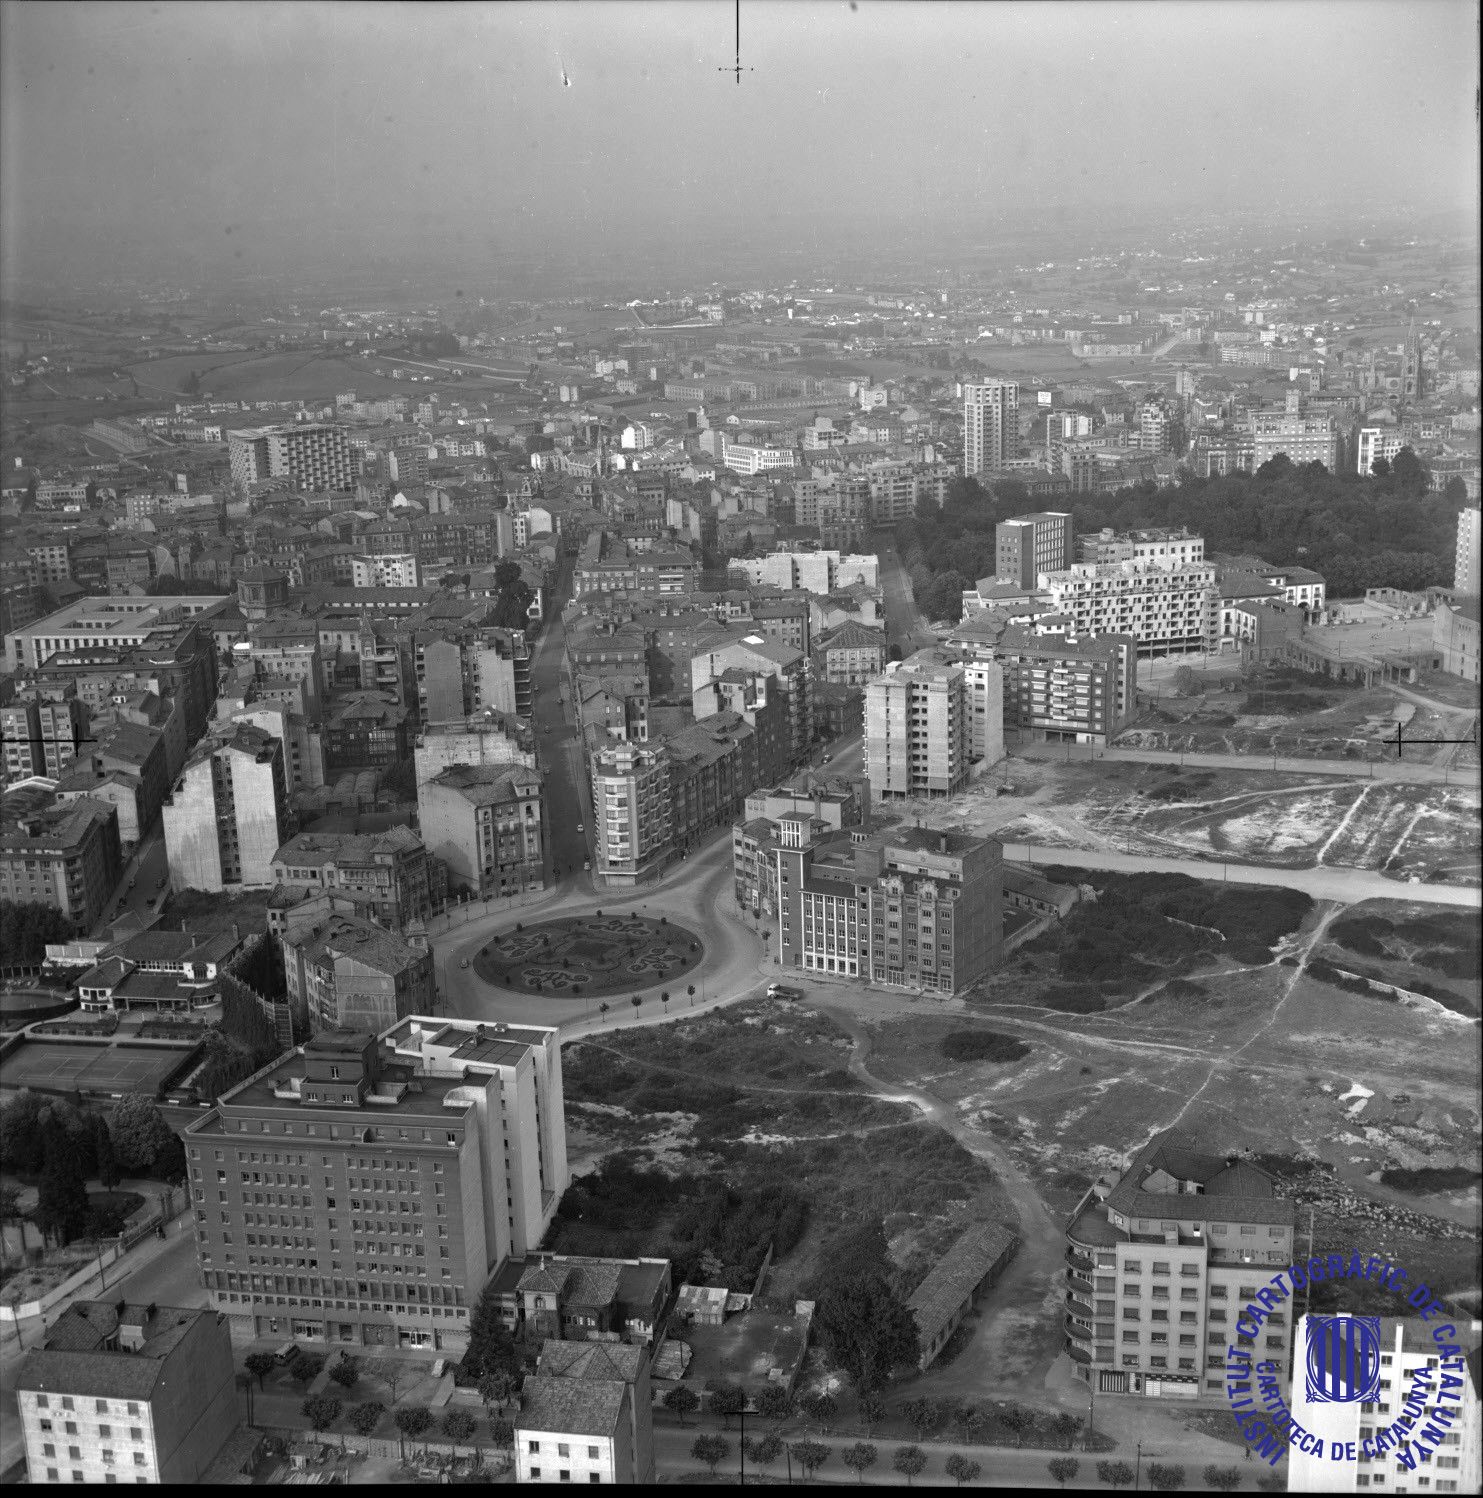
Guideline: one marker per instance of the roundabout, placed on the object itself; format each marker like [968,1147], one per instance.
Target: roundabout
[590,956]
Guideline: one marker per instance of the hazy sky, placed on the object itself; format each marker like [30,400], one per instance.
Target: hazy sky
[139,126]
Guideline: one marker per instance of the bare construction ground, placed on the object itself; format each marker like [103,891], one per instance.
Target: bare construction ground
[1421,832]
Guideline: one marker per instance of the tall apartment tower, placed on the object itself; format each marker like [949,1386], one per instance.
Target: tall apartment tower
[917,736]
[1160,1262]
[311,457]
[1465,579]
[1028,545]
[991,425]
[395,1172]
[228,815]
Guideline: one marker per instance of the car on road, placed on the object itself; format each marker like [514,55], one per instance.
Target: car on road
[133,880]
[782,991]
[580,827]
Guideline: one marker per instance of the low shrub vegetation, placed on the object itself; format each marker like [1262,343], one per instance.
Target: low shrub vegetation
[982,1045]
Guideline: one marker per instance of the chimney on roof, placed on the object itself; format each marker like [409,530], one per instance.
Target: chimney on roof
[942,843]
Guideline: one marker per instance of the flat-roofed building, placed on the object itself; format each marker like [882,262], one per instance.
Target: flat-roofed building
[916,727]
[120,1392]
[430,1154]
[66,855]
[1162,1258]
[1169,608]
[1028,545]
[103,624]
[314,457]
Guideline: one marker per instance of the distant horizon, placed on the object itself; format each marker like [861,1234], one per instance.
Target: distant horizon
[203,141]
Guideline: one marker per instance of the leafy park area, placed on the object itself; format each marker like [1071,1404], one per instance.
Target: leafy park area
[1360,532]
[60,1148]
[593,957]
[1140,927]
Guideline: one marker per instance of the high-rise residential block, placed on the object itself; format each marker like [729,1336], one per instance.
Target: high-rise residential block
[360,1191]
[631,808]
[1169,608]
[1304,439]
[991,431]
[1028,545]
[1465,575]
[228,814]
[916,727]
[312,457]
[1160,1262]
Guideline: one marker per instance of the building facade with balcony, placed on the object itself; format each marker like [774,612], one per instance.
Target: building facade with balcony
[1160,1262]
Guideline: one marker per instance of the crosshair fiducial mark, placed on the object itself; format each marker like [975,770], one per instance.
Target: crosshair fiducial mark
[737,67]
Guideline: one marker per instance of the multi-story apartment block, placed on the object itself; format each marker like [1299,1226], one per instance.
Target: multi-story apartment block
[67,856]
[936,909]
[1155,427]
[127,1393]
[1106,546]
[228,814]
[1160,1262]
[1028,545]
[1170,609]
[1375,443]
[344,973]
[20,732]
[360,1190]
[916,727]
[756,653]
[468,668]
[312,458]
[487,823]
[607,563]
[991,425]
[384,873]
[1041,686]
[50,562]
[908,909]
[850,654]
[632,810]
[175,661]
[1305,439]
[1428,1370]
[491,739]
[400,570]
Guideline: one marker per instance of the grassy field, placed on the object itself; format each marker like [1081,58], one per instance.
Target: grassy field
[759,1093]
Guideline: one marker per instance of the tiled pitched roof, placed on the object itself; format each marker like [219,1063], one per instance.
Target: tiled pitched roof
[570,1406]
[955,1276]
[610,1361]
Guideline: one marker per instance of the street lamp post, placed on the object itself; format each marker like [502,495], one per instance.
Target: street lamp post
[1137,1466]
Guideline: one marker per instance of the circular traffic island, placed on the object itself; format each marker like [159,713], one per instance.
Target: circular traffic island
[589,956]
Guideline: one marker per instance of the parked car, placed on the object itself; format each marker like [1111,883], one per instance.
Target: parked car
[782,991]
[464,963]
[580,827]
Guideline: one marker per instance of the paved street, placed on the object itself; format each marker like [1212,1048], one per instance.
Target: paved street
[147,868]
[1346,885]
[905,626]
[1003,1467]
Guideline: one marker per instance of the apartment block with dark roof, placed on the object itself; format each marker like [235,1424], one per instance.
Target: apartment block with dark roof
[127,1393]
[1160,1261]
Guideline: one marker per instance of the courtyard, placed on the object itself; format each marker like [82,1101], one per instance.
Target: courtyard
[590,957]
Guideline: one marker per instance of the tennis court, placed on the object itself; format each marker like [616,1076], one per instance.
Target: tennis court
[80,1066]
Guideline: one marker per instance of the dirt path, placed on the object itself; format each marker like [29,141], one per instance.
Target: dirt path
[1010,1352]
